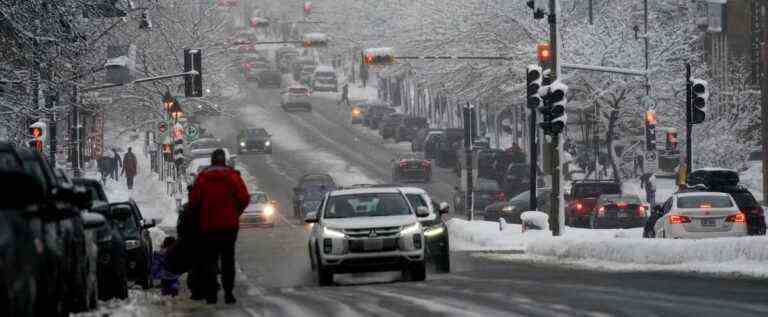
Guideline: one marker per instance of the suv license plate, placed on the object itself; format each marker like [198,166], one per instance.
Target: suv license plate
[708,222]
[373,244]
[622,214]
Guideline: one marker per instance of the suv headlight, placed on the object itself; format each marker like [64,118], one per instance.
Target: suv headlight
[434,231]
[410,229]
[242,144]
[508,209]
[131,244]
[267,143]
[333,233]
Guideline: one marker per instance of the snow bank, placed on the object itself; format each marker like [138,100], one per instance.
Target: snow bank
[615,249]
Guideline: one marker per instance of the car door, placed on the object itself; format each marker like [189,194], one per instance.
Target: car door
[146,240]
[661,223]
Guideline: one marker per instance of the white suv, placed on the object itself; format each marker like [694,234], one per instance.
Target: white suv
[367,230]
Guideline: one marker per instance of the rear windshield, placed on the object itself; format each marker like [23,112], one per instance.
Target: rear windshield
[487,185]
[297,90]
[595,190]
[704,201]
[325,74]
[617,199]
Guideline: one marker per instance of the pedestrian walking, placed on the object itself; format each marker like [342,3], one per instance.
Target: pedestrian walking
[169,282]
[117,165]
[220,196]
[344,95]
[130,168]
[639,165]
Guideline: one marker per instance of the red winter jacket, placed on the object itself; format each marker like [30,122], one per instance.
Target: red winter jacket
[220,195]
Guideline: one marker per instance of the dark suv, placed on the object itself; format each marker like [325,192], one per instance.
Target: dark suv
[254,140]
[447,144]
[138,244]
[310,190]
[583,198]
[408,129]
[375,114]
[389,125]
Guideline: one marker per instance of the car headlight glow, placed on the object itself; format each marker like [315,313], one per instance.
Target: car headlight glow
[131,244]
[508,209]
[333,233]
[269,210]
[242,144]
[410,229]
[431,232]
[267,143]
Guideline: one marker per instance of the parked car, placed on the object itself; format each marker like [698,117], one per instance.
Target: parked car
[367,230]
[420,138]
[408,128]
[296,97]
[375,114]
[582,199]
[65,237]
[511,210]
[311,188]
[112,266]
[270,77]
[430,143]
[694,215]
[254,140]
[260,211]
[408,167]
[485,192]
[357,111]
[437,247]
[618,211]
[389,124]
[138,244]
[486,163]
[324,79]
[446,147]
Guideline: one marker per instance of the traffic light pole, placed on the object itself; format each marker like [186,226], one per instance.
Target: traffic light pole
[688,119]
[534,157]
[556,214]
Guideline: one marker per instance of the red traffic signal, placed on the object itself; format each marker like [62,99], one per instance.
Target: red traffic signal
[650,117]
[307,7]
[544,53]
[162,126]
[36,132]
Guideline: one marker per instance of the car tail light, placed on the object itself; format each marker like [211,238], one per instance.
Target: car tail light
[678,219]
[601,211]
[579,206]
[425,164]
[501,196]
[641,211]
[737,218]
[403,163]
[306,93]
[621,205]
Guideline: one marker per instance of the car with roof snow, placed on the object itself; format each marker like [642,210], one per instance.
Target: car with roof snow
[389,124]
[367,230]
[696,215]
[324,79]
[310,190]
[254,140]
[296,97]
[261,211]
[357,110]
[138,245]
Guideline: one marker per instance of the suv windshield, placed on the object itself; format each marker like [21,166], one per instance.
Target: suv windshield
[704,201]
[259,198]
[124,220]
[366,205]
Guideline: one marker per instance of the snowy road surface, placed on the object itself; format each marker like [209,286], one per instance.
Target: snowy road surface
[275,278]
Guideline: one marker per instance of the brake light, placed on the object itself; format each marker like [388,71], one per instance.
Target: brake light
[501,196]
[403,163]
[621,205]
[705,206]
[641,211]
[579,206]
[737,218]
[425,164]
[306,93]
[601,211]
[678,219]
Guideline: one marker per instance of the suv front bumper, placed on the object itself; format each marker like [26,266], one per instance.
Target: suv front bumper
[371,262]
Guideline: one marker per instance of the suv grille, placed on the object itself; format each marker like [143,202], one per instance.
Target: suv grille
[380,232]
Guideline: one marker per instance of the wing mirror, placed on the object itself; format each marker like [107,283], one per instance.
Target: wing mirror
[422,211]
[311,217]
[150,224]
[93,220]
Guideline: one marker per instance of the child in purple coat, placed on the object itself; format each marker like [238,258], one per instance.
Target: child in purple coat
[169,282]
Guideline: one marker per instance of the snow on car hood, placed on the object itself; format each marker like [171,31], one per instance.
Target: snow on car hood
[368,222]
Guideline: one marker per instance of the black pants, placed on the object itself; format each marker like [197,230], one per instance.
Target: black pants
[129,180]
[219,247]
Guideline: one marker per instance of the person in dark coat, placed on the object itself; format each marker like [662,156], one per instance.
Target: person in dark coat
[169,281]
[220,196]
[117,164]
[130,168]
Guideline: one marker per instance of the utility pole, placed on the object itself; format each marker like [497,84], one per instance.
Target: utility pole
[763,78]
[556,213]
[469,111]
[688,119]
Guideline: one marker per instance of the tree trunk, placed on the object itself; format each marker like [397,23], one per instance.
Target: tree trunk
[614,116]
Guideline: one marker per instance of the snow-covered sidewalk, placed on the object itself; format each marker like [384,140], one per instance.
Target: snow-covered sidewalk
[615,250]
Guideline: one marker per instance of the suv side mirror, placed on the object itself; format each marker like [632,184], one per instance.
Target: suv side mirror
[93,220]
[444,208]
[151,224]
[422,211]
[311,217]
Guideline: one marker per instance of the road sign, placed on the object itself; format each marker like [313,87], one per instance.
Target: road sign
[162,127]
[650,162]
[192,132]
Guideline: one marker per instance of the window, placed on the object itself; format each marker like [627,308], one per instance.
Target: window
[124,220]
[704,201]
[259,198]
[366,205]
[416,200]
[487,185]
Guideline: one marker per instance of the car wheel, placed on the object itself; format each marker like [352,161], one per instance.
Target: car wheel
[312,264]
[324,276]
[416,272]
[443,264]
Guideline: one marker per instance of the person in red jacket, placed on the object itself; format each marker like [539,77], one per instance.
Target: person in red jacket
[220,196]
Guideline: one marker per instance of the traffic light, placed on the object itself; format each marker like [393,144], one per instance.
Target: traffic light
[378,56]
[553,110]
[533,82]
[544,54]
[672,140]
[315,40]
[38,132]
[539,8]
[650,130]
[700,95]
[307,8]
[193,61]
